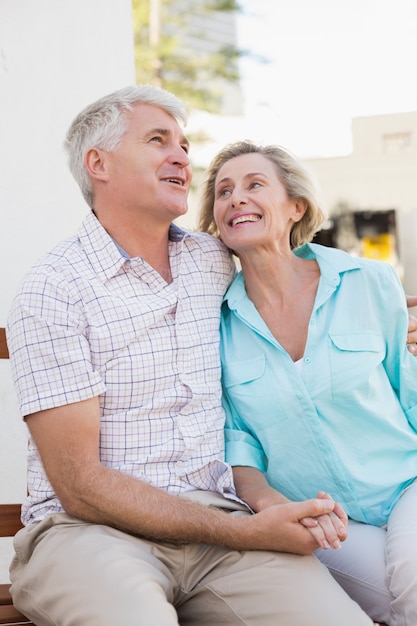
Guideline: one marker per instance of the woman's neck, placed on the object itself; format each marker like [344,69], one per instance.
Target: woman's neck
[283,290]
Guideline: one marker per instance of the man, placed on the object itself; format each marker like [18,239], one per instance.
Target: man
[132,516]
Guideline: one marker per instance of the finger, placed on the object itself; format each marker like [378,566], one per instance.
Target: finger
[320,537]
[340,513]
[329,529]
[338,510]
[411,301]
[339,527]
[337,530]
[309,522]
[313,508]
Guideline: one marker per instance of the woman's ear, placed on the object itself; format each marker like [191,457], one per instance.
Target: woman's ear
[96,164]
[300,207]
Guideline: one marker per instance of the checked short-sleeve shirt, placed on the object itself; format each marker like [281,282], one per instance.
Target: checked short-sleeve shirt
[88,321]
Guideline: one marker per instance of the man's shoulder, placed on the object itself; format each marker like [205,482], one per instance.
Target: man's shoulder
[207,242]
[61,264]
[70,255]
[53,261]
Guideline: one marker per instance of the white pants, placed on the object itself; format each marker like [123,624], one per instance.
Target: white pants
[378,567]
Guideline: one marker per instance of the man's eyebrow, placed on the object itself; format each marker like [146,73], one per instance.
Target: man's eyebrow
[157,131]
[164,132]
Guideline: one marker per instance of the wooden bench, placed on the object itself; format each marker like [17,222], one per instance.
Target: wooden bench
[9,525]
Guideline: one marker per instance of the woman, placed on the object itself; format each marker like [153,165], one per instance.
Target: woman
[319,389]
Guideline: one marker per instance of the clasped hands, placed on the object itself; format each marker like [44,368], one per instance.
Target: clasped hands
[328,530]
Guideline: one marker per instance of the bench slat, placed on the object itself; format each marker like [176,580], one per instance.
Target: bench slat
[9,519]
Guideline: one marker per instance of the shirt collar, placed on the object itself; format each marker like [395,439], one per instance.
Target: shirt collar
[106,254]
[329,259]
[332,262]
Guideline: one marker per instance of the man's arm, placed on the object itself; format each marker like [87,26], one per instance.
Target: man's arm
[412,326]
[68,442]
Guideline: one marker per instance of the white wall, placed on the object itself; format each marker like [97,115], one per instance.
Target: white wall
[56,56]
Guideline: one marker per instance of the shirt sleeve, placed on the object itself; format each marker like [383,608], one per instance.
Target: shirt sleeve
[242,448]
[49,351]
[399,363]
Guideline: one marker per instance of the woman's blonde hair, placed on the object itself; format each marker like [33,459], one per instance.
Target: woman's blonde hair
[297,180]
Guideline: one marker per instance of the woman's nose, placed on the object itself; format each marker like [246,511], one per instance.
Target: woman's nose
[238,199]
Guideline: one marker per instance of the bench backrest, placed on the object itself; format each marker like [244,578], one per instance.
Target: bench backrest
[4,352]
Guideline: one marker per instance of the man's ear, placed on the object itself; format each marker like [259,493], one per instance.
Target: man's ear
[96,164]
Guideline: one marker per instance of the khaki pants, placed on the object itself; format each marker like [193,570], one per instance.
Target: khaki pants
[70,573]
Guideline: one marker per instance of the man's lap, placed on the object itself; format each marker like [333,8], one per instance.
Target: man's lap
[71,572]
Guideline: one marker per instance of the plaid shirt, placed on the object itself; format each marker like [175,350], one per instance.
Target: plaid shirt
[88,321]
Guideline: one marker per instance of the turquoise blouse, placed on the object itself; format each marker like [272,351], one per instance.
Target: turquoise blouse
[344,420]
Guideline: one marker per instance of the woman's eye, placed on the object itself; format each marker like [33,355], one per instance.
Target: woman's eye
[255,185]
[223,192]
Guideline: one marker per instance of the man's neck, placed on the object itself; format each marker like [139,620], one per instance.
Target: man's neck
[142,240]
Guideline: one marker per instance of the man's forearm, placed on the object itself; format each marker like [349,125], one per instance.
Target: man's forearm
[141,509]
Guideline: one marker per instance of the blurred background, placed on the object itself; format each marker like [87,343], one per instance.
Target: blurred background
[331,80]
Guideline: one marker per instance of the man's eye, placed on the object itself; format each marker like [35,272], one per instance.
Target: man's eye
[156,138]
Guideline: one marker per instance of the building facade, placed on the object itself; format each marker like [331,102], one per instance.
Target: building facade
[371,194]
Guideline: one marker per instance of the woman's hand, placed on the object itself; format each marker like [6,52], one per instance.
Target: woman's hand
[328,530]
[412,326]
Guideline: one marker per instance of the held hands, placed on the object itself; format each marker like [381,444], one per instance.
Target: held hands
[288,526]
[284,525]
[328,530]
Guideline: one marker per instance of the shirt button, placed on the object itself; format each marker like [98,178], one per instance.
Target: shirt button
[307,359]
[313,320]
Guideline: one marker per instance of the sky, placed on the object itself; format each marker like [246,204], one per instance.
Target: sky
[328,61]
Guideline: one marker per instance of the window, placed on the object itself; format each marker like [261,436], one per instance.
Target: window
[396,142]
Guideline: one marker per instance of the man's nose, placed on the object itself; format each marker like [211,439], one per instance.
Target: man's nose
[180,157]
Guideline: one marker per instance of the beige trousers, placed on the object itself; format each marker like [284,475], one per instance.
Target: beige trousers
[70,573]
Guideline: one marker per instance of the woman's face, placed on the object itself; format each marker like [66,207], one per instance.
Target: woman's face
[251,205]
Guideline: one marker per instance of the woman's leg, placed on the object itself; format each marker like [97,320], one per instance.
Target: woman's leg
[359,567]
[401,557]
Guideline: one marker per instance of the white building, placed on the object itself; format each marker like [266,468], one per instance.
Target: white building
[55,58]
[378,181]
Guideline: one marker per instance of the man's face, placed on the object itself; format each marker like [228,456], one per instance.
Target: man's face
[150,172]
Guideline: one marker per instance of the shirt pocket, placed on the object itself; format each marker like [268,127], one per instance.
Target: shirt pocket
[244,384]
[243,372]
[354,361]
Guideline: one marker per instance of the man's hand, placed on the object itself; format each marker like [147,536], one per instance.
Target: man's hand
[280,527]
[412,326]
